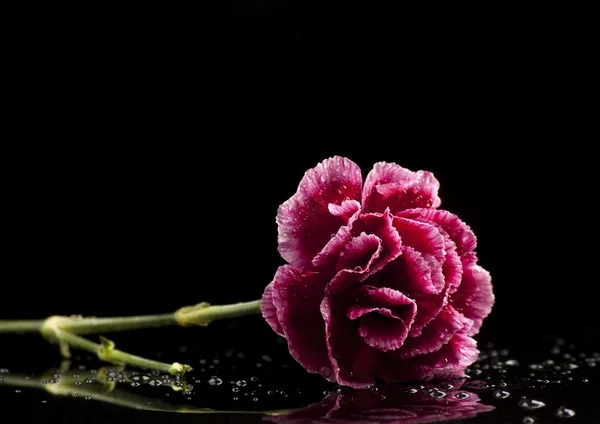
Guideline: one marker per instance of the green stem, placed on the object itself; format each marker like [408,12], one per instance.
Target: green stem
[64,330]
[21,326]
[201,314]
[107,325]
[106,352]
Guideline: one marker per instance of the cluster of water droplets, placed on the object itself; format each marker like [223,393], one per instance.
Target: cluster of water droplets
[249,380]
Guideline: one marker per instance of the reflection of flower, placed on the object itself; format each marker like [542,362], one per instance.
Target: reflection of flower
[380,284]
[392,404]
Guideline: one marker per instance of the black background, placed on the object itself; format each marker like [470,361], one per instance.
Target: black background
[153,145]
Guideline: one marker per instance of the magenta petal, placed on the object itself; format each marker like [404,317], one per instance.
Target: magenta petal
[381,330]
[380,225]
[436,334]
[305,223]
[450,361]
[345,210]
[474,297]
[385,325]
[350,357]
[297,297]
[389,185]
[459,232]
[360,252]
[269,311]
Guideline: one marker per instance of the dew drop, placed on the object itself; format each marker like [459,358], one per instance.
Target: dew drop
[255,399]
[240,383]
[235,389]
[215,381]
[563,412]
[135,384]
[461,395]
[501,394]
[412,390]
[529,420]
[571,366]
[253,378]
[235,398]
[18,391]
[536,367]
[531,404]
[438,394]
[88,398]
[44,401]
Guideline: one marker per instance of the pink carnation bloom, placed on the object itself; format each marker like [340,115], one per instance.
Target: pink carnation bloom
[379,283]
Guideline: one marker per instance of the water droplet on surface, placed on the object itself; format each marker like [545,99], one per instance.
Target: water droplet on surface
[135,384]
[44,401]
[501,394]
[531,404]
[88,398]
[412,390]
[240,383]
[215,381]
[536,367]
[155,382]
[253,378]
[563,412]
[438,394]
[461,395]
[17,391]
[235,398]
[235,389]
[255,399]
[529,420]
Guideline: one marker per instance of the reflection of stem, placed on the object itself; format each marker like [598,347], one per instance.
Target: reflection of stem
[97,391]
[63,330]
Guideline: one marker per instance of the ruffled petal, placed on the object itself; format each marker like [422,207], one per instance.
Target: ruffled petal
[345,210]
[351,358]
[360,253]
[269,311]
[436,334]
[297,297]
[383,326]
[448,362]
[474,297]
[305,223]
[389,185]
[380,225]
[459,232]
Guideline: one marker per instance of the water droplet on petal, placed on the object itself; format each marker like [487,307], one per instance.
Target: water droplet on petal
[462,395]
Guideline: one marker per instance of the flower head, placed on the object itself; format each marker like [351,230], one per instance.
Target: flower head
[380,284]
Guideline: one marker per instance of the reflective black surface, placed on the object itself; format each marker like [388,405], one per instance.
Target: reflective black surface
[246,382]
